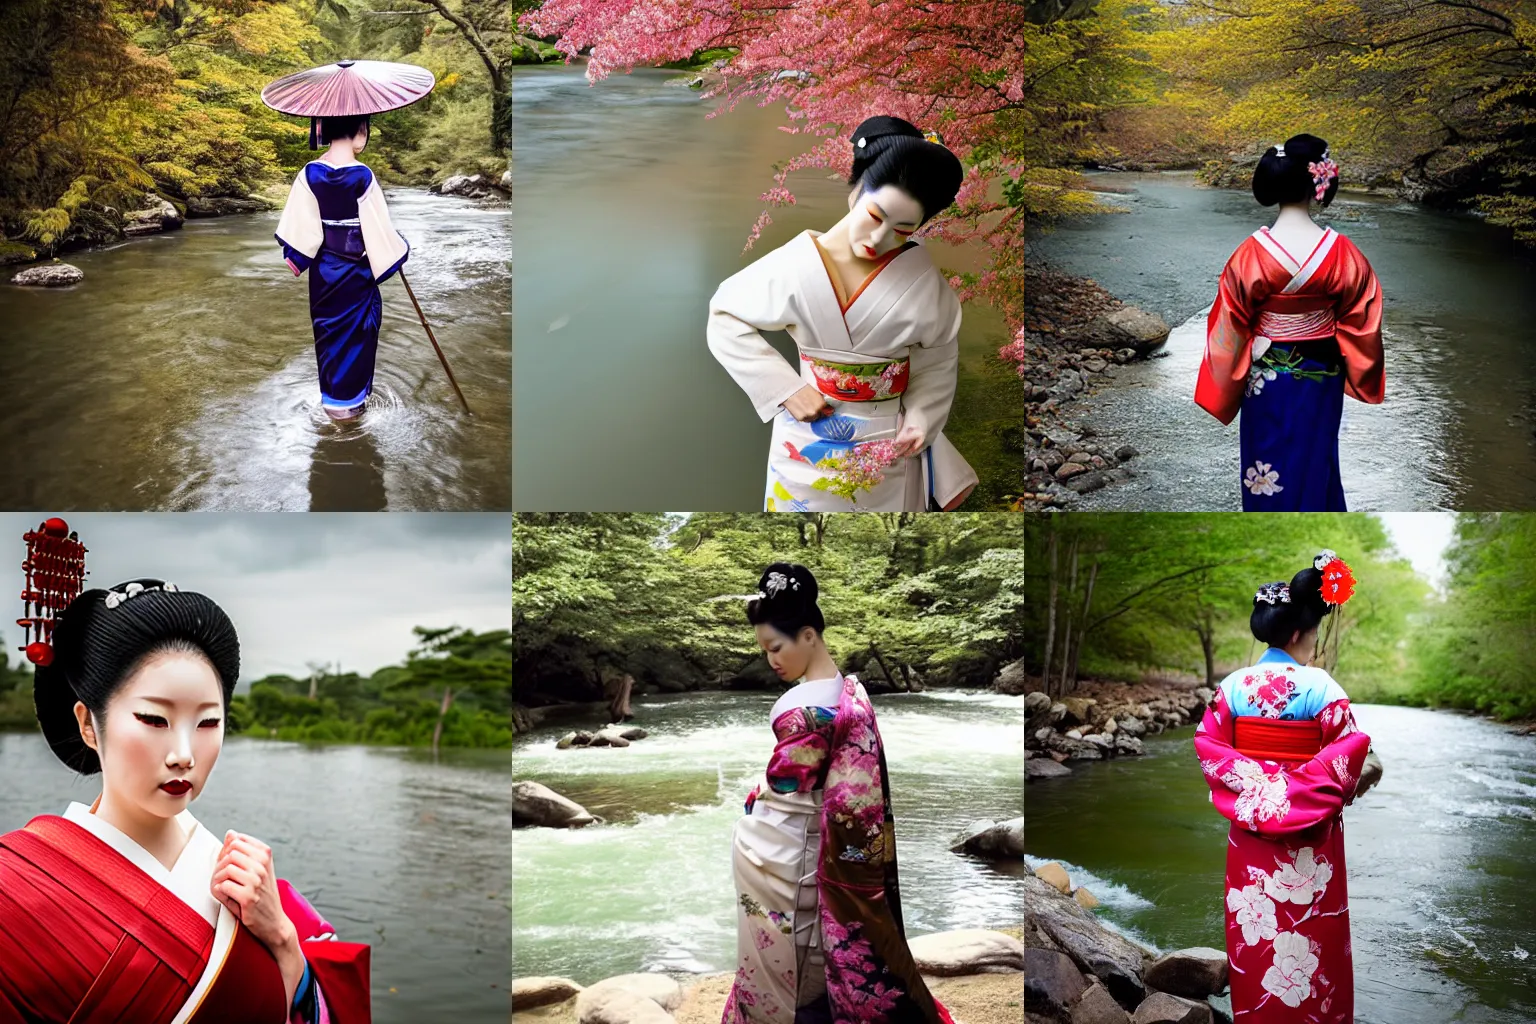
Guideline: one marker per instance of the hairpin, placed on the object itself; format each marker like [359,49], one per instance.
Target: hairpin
[1274,593]
[1323,171]
[55,568]
[933,136]
[1279,149]
[117,597]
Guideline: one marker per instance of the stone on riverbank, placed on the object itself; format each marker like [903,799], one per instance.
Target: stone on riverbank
[469,186]
[611,737]
[967,951]
[1195,973]
[1142,331]
[1051,982]
[1162,1008]
[1011,679]
[1097,1006]
[1054,875]
[52,275]
[528,993]
[617,1005]
[1083,898]
[158,215]
[658,988]
[1044,768]
[535,804]
[994,839]
[223,206]
[1054,920]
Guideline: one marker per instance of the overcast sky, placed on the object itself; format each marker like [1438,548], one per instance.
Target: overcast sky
[1422,538]
[299,587]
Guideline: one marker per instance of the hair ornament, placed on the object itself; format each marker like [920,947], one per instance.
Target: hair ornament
[55,568]
[132,590]
[1323,171]
[1279,149]
[1338,580]
[861,142]
[933,137]
[1274,593]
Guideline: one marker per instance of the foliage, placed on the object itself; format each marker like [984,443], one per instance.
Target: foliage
[598,594]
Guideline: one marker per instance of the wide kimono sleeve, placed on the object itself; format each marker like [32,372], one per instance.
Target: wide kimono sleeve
[800,755]
[1228,333]
[1267,797]
[387,248]
[299,230]
[935,361]
[1357,316]
[756,298]
[335,986]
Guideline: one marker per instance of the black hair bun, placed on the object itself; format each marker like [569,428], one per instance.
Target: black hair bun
[1276,618]
[1286,177]
[100,638]
[890,151]
[787,599]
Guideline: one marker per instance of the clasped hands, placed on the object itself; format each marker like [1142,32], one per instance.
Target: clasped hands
[245,882]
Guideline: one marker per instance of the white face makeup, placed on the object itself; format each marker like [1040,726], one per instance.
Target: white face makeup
[881,220]
[162,733]
[788,656]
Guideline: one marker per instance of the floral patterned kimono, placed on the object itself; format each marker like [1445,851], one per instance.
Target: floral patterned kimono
[884,357]
[1282,755]
[1286,340]
[819,930]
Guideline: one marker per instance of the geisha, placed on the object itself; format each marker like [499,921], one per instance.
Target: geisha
[1281,752]
[1295,327]
[858,423]
[336,224]
[128,909]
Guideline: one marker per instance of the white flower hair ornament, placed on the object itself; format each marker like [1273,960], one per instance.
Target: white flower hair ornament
[132,590]
[777,582]
[1279,149]
[1323,558]
[1274,593]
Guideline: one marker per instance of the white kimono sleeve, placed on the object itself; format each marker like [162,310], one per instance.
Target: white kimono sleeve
[386,248]
[756,298]
[299,228]
[935,364]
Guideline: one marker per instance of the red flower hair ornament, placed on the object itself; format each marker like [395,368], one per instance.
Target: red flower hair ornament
[1338,580]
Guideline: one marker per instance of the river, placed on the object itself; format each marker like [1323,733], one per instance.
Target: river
[632,206]
[1441,855]
[395,850]
[651,889]
[180,374]
[1456,430]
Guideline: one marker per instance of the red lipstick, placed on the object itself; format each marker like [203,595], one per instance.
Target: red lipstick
[870,249]
[176,787]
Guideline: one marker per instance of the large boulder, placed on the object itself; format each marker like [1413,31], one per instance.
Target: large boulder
[618,1005]
[223,206]
[528,993]
[1051,982]
[994,839]
[967,951]
[658,988]
[1113,959]
[1097,1006]
[535,804]
[1044,768]
[470,186]
[611,737]
[1196,972]
[50,275]
[1162,1008]
[1055,875]
[1131,327]
[158,214]
[1078,710]
[633,732]
[1011,679]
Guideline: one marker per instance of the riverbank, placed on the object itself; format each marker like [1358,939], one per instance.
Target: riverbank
[1076,337]
[1102,719]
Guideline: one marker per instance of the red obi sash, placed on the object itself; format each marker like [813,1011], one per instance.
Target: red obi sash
[1271,739]
[860,382]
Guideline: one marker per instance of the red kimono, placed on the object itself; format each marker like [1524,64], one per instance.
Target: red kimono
[1283,783]
[87,937]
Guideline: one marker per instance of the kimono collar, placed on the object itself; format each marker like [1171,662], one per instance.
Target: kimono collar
[1275,654]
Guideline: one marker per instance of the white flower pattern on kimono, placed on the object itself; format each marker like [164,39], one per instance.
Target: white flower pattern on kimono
[1341,769]
[1289,978]
[1256,379]
[1301,881]
[1255,913]
[1261,796]
[1262,478]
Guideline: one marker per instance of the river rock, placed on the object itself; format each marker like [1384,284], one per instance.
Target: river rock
[1136,328]
[1196,972]
[1129,725]
[633,732]
[1113,959]
[1221,1008]
[618,1005]
[1055,875]
[157,215]
[470,186]
[1097,1006]
[1083,898]
[223,206]
[528,993]
[1077,710]
[535,804]
[579,738]
[1162,1008]
[994,839]
[1044,768]
[506,181]
[51,275]
[611,737]
[1051,981]
[1127,744]
[967,951]
[1011,679]
[658,988]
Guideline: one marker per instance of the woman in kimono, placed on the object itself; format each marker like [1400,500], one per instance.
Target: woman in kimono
[877,328]
[128,909]
[1282,755]
[336,225]
[1295,327]
[819,929]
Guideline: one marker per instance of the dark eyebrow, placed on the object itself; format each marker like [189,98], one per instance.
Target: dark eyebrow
[170,703]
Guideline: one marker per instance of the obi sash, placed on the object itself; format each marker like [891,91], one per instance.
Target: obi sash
[860,382]
[1270,739]
[344,238]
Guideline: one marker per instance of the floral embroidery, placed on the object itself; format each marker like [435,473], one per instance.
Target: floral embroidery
[780,921]
[1290,977]
[1256,378]
[853,957]
[1341,770]
[1261,478]
[751,906]
[1255,913]
[860,382]
[1273,695]
[1302,881]
[1261,796]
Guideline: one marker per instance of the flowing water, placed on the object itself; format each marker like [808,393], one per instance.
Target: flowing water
[632,206]
[180,374]
[1456,430]
[1441,857]
[651,889]
[395,850]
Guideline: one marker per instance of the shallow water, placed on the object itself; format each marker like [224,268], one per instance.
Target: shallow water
[1456,430]
[407,855]
[180,374]
[651,889]
[1441,855]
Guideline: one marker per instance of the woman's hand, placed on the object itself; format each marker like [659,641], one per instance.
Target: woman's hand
[909,441]
[245,882]
[807,404]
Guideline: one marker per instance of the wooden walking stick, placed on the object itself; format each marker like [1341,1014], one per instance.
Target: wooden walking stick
[433,339]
